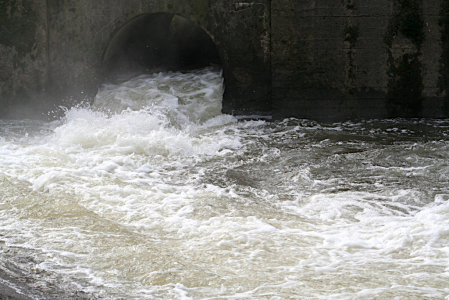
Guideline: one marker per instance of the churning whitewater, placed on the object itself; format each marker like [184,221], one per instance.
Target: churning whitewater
[152,193]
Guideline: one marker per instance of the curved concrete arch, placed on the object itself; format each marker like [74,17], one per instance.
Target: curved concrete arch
[75,34]
[158,41]
[240,32]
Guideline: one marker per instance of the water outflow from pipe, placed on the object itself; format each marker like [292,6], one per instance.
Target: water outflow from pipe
[153,194]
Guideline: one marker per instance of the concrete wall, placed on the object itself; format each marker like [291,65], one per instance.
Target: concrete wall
[335,59]
[318,59]
[317,62]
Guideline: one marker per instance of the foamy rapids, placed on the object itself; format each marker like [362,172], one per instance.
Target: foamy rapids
[152,193]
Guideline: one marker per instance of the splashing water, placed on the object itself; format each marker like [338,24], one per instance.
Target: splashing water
[151,193]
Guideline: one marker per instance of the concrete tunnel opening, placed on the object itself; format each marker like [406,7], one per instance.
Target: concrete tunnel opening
[158,42]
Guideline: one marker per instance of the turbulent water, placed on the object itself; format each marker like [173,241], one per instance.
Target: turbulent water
[152,193]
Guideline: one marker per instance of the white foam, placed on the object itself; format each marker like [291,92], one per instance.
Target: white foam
[152,193]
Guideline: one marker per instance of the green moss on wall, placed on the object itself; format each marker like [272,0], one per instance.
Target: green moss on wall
[444,61]
[405,87]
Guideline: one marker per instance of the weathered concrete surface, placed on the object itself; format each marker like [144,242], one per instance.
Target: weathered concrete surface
[246,55]
[319,59]
[23,54]
[330,58]
[432,52]
[318,63]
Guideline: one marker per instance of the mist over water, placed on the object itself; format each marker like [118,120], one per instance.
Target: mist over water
[151,193]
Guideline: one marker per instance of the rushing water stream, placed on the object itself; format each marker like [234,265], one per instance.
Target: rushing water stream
[151,193]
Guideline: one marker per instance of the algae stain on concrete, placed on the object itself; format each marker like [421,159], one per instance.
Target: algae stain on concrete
[405,87]
[351,35]
[444,60]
